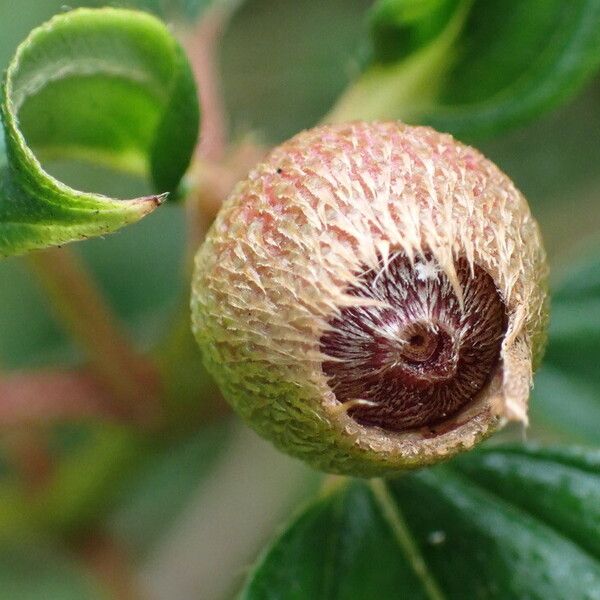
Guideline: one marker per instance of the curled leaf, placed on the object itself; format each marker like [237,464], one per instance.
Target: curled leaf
[107,86]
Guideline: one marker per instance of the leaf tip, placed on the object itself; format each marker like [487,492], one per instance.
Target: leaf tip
[148,203]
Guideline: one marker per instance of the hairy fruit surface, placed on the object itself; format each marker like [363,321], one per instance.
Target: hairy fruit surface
[373,298]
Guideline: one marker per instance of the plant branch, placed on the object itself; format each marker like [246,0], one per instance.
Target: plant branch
[37,398]
[188,391]
[212,182]
[202,44]
[130,378]
[27,449]
[111,564]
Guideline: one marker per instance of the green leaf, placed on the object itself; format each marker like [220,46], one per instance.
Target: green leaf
[474,67]
[107,86]
[566,395]
[512,522]
[400,27]
[34,570]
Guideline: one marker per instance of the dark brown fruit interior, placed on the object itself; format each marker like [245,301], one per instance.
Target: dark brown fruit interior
[419,358]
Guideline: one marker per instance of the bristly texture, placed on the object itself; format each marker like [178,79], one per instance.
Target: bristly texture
[372,298]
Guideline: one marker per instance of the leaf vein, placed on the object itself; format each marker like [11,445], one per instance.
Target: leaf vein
[392,514]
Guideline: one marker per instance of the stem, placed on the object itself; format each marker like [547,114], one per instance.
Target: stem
[31,399]
[215,170]
[189,392]
[27,449]
[212,182]
[130,379]
[111,565]
[202,47]
[331,483]
[201,44]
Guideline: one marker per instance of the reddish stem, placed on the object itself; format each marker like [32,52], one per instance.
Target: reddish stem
[37,398]
[27,448]
[111,565]
[202,46]
[131,378]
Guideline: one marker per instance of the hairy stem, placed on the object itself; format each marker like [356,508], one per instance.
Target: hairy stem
[130,378]
[190,395]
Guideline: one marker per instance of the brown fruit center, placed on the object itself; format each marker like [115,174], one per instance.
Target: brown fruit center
[418,357]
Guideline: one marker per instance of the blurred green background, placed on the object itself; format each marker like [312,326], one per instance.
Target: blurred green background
[193,512]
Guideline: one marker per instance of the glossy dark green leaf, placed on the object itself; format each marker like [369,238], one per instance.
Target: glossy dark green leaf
[566,396]
[35,570]
[474,67]
[512,522]
[107,86]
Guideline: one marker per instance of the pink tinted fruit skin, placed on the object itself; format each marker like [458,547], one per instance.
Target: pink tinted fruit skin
[294,236]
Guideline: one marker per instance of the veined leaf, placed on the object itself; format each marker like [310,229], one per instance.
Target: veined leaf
[108,86]
[474,67]
[512,522]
